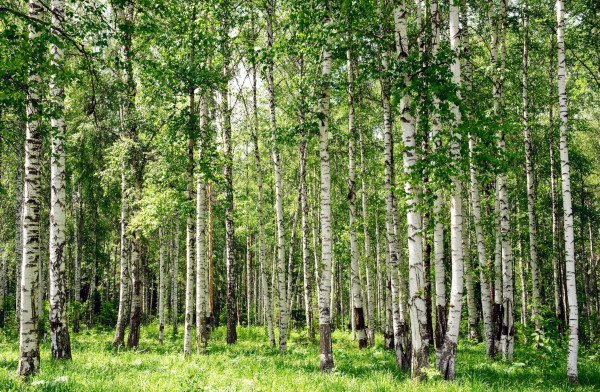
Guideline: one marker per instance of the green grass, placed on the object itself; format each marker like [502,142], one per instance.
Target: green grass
[251,365]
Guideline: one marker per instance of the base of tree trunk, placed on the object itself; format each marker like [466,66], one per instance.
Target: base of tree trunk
[388,338]
[29,364]
[403,347]
[60,342]
[447,360]
[325,346]
[361,333]
[440,331]
[420,360]
[497,316]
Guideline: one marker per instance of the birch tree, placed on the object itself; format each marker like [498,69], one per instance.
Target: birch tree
[201,261]
[357,299]
[533,258]
[438,227]
[567,202]
[281,270]
[59,332]
[416,289]
[161,284]
[326,364]
[447,360]
[228,173]
[29,357]
[190,235]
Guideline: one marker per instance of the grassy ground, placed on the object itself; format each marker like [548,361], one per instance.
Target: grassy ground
[251,365]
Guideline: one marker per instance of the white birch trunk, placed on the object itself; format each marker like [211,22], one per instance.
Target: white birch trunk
[447,360]
[326,364]
[533,258]
[18,232]
[124,289]
[438,227]
[399,286]
[228,174]
[59,332]
[161,284]
[262,242]
[175,275]
[507,334]
[281,270]
[307,271]
[190,231]
[468,274]
[416,284]
[369,278]
[201,252]
[29,358]
[356,290]
[567,203]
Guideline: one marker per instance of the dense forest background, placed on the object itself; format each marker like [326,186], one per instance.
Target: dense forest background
[417,170]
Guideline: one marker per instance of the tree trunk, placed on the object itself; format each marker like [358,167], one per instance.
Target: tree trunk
[262,242]
[357,300]
[326,240]
[59,332]
[567,203]
[228,174]
[29,358]
[369,278]
[161,284]
[201,261]
[447,361]
[281,270]
[417,307]
[124,289]
[438,227]
[190,235]
[175,275]
[307,270]
[468,274]
[18,231]
[476,211]
[533,259]
[401,339]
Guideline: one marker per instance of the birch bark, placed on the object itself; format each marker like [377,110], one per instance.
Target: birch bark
[326,364]
[357,300]
[59,332]
[567,202]
[533,258]
[447,361]
[29,357]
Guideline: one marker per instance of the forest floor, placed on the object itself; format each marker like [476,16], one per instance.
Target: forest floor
[251,365]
